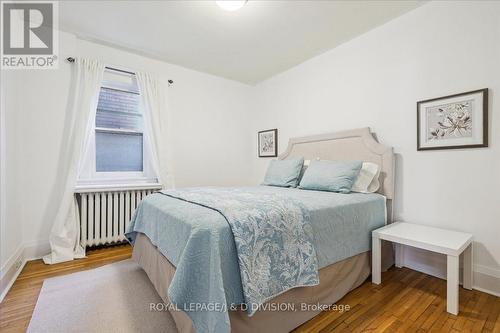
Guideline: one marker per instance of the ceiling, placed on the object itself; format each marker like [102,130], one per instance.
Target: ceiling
[249,45]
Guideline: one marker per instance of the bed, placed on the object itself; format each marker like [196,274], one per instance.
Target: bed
[185,244]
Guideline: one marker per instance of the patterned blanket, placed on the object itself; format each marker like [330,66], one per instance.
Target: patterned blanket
[273,237]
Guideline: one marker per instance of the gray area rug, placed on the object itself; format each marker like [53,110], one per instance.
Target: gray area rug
[112,298]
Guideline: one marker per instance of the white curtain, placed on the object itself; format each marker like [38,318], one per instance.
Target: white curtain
[65,234]
[157,123]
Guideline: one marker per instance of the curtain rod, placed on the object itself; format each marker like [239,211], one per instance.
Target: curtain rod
[71,59]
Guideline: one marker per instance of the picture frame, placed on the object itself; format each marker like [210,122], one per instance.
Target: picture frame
[453,122]
[268,143]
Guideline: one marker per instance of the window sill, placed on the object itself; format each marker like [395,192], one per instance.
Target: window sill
[86,188]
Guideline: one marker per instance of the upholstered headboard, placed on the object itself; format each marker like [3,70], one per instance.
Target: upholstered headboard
[357,144]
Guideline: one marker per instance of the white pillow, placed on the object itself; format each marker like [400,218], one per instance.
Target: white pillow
[367,181]
[304,168]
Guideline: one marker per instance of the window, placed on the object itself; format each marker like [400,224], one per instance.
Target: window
[118,131]
[117,141]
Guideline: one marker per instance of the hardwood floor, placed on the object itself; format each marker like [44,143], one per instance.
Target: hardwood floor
[406,301]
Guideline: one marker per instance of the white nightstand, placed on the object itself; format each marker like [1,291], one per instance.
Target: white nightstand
[451,243]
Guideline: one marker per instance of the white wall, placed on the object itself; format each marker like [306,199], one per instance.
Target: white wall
[211,137]
[375,80]
[11,238]
[10,226]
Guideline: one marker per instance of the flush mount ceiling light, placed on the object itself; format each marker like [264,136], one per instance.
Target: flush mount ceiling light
[231,5]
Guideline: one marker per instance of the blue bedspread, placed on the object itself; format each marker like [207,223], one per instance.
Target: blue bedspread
[273,238]
[200,243]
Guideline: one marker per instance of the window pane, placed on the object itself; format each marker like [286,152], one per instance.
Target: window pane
[119,80]
[118,151]
[118,109]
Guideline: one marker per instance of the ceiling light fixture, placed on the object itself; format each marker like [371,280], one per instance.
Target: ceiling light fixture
[231,5]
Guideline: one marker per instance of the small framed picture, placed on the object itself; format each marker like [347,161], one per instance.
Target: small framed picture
[268,143]
[453,122]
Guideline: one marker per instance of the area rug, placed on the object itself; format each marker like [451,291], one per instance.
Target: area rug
[113,298]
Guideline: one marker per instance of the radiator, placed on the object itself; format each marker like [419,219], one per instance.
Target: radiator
[104,216]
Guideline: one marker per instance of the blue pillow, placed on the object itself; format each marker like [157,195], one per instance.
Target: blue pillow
[284,173]
[332,176]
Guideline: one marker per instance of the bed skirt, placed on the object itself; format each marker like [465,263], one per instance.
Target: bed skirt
[336,280]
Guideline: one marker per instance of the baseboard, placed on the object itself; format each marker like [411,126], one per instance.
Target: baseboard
[485,279]
[10,271]
[15,264]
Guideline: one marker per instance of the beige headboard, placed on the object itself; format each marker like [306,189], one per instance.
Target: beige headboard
[357,144]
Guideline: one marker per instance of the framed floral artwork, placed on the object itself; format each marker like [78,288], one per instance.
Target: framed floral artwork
[268,143]
[453,122]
